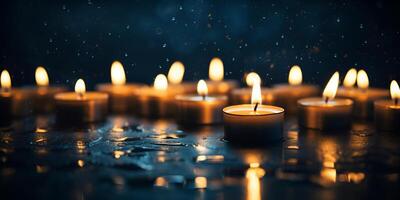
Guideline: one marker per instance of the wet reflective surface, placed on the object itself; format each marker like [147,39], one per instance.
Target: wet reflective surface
[129,158]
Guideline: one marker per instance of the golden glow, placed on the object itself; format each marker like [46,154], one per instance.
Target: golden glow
[362,79]
[394,90]
[328,174]
[331,88]
[256,94]
[5,80]
[216,70]
[295,75]
[117,74]
[160,82]
[161,182]
[176,72]
[80,87]
[41,77]
[81,163]
[252,78]
[253,185]
[202,89]
[350,78]
[200,182]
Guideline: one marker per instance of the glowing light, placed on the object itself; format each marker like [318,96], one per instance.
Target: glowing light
[253,185]
[5,80]
[256,94]
[331,88]
[362,79]
[41,77]
[216,70]
[295,75]
[176,72]
[394,91]
[81,163]
[117,74]
[161,82]
[350,78]
[328,174]
[200,182]
[202,89]
[80,87]
[252,78]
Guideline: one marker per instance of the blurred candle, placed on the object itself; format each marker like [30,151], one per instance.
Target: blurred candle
[387,112]
[326,113]
[253,124]
[348,90]
[175,78]
[121,94]
[243,95]
[81,107]
[287,95]
[217,84]
[201,108]
[5,99]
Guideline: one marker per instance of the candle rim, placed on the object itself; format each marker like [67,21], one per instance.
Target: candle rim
[281,110]
[92,96]
[347,101]
[188,97]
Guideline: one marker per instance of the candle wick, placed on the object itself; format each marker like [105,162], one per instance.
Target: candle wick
[396,101]
[326,100]
[80,95]
[204,97]
[255,107]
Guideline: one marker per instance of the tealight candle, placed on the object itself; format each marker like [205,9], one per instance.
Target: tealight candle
[348,90]
[252,124]
[121,94]
[243,95]
[387,112]
[326,113]
[364,97]
[175,77]
[217,84]
[81,107]
[287,95]
[5,99]
[201,108]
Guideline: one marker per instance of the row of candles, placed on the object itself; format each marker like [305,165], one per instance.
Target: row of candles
[255,110]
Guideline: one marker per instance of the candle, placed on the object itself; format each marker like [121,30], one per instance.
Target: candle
[201,108]
[81,107]
[243,95]
[252,124]
[121,94]
[326,113]
[348,90]
[175,77]
[5,99]
[387,112]
[217,84]
[364,96]
[287,95]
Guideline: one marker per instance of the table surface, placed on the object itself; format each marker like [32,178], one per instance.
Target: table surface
[127,158]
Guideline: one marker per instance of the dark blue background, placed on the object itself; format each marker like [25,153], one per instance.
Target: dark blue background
[81,38]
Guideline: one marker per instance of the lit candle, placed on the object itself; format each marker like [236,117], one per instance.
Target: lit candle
[201,108]
[348,90]
[43,93]
[81,107]
[175,79]
[252,124]
[387,112]
[287,95]
[5,99]
[121,94]
[326,113]
[243,95]
[363,96]
[217,84]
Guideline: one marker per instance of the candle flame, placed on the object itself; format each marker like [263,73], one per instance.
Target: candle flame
[176,72]
[5,80]
[80,87]
[117,74]
[350,78]
[202,88]
[331,87]
[161,82]
[41,77]
[295,75]
[256,94]
[362,79]
[252,78]
[216,70]
[394,90]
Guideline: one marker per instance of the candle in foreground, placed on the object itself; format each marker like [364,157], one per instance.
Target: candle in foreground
[253,124]
[217,84]
[387,112]
[121,94]
[326,113]
[201,108]
[287,95]
[175,79]
[44,93]
[243,95]
[81,107]
[5,99]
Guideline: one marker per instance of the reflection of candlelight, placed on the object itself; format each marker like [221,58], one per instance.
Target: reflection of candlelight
[253,176]
[328,150]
